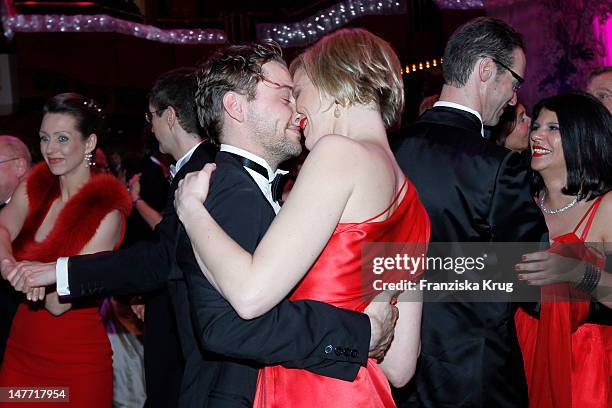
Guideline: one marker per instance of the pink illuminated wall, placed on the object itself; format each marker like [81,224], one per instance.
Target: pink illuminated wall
[604,33]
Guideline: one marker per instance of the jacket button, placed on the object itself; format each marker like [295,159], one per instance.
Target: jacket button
[354,353]
[338,351]
[347,352]
[328,349]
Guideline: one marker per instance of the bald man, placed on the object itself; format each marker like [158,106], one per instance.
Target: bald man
[15,161]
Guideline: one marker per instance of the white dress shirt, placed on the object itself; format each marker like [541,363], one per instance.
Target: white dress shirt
[463,108]
[264,184]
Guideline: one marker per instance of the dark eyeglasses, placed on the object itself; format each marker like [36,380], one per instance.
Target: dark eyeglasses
[519,79]
[149,115]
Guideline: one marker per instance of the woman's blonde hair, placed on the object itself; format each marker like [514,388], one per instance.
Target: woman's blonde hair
[354,66]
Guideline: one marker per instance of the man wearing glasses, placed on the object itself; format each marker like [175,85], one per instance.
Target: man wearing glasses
[15,161]
[474,191]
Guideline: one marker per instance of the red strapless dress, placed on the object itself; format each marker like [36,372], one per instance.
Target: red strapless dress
[71,350]
[336,278]
[568,363]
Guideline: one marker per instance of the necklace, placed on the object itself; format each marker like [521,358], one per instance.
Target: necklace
[556,210]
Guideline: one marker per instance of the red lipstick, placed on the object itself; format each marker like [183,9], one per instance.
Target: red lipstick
[536,154]
[303,122]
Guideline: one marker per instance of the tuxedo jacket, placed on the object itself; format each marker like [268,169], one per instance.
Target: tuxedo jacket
[144,269]
[9,301]
[303,334]
[149,266]
[474,191]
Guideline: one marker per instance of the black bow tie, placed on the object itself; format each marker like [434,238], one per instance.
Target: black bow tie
[278,184]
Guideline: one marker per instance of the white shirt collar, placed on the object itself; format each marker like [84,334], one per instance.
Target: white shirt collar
[264,184]
[253,157]
[174,168]
[463,108]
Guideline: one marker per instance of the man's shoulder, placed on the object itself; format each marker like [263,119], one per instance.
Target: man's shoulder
[204,153]
[444,139]
[230,181]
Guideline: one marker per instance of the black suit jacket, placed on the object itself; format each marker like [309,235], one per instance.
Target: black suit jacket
[144,268]
[303,334]
[9,302]
[474,191]
[149,266]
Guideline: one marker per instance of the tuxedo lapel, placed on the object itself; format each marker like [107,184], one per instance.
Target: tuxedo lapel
[224,157]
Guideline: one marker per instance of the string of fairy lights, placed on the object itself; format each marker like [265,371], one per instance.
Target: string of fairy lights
[409,69]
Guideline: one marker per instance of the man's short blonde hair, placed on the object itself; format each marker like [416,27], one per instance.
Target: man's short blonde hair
[354,66]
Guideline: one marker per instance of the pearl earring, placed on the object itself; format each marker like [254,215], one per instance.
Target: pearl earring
[337,112]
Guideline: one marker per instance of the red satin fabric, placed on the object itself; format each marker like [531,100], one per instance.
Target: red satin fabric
[70,350]
[568,363]
[336,278]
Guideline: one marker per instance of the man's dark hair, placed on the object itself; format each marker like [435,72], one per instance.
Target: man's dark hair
[236,68]
[482,36]
[585,126]
[177,88]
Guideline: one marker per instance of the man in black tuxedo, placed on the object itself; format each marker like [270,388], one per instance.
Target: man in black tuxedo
[474,191]
[305,334]
[245,104]
[15,161]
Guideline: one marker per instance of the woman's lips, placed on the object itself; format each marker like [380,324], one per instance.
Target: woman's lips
[55,161]
[539,151]
[303,123]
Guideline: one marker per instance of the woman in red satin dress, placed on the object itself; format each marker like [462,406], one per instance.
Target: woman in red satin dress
[350,191]
[61,210]
[568,361]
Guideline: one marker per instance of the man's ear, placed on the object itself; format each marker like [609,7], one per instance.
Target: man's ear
[234,105]
[486,69]
[22,167]
[170,116]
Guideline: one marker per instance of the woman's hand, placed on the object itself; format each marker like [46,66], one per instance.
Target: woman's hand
[192,191]
[546,268]
[134,187]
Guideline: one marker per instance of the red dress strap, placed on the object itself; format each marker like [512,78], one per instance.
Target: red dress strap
[397,196]
[590,212]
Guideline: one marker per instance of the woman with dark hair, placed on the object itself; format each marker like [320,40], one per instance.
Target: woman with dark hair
[512,130]
[567,360]
[350,192]
[61,210]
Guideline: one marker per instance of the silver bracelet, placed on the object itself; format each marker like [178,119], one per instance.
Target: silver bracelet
[590,279]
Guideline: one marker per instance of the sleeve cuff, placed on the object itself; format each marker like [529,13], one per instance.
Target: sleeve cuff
[61,277]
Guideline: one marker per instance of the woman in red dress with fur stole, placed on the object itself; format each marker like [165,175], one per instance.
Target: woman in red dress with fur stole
[61,210]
